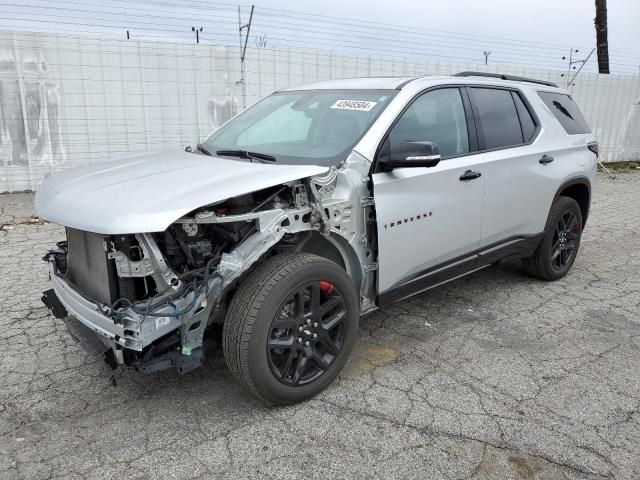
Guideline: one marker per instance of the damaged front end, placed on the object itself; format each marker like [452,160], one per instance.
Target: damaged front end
[149,300]
[146,300]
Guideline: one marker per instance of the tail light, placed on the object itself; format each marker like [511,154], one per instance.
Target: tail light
[595,148]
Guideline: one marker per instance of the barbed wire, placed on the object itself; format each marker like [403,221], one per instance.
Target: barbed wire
[288,28]
[86,81]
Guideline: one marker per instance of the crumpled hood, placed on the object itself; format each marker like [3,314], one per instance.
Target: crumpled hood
[149,191]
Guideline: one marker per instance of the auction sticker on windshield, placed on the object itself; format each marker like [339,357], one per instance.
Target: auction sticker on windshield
[362,105]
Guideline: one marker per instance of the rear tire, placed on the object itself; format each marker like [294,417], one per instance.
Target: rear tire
[290,327]
[558,249]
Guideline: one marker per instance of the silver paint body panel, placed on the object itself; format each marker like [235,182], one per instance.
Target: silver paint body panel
[426,216]
[149,191]
[512,198]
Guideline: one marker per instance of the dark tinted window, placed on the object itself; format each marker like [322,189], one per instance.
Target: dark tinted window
[499,124]
[438,117]
[526,120]
[566,111]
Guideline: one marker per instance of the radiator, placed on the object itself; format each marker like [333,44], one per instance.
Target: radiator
[88,268]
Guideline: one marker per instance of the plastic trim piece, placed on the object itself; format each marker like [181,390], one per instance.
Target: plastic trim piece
[514,247]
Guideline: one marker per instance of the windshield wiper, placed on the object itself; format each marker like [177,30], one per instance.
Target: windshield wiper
[203,150]
[248,155]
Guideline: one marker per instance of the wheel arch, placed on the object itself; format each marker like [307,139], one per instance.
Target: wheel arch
[329,247]
[326,246]
[579,189]
[334,249]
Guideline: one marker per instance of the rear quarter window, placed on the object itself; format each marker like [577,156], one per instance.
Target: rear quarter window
[566,111]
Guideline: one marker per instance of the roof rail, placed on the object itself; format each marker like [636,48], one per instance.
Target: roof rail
[505,77]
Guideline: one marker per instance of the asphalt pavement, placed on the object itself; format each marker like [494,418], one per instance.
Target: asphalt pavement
[496,375]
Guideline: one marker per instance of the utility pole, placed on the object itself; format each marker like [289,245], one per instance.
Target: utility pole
[602,42]
[197,30]
[572,63]
[243,51]
[486,56]
[570,83]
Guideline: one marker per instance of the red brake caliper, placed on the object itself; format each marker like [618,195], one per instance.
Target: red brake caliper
[326,287]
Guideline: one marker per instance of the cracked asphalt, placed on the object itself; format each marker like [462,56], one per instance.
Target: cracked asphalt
[495,375]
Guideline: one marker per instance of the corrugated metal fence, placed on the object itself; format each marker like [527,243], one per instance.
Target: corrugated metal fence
[69,100]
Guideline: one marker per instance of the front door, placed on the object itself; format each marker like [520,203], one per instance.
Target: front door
[429,219]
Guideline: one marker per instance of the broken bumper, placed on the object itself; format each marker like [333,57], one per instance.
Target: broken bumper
[99,334]
[83,335]
[86,313]
[96,340]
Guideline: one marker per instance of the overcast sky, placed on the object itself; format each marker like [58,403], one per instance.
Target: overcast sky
[550,21]
[534,33]
[564,23]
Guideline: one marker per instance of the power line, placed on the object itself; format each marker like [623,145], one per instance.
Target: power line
[310,40]
[404,29]
[364,36]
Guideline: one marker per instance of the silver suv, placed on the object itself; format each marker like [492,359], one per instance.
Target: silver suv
[313,207]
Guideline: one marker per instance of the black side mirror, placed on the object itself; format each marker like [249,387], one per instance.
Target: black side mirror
[411,154]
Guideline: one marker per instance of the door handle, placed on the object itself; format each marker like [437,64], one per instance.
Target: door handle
[470,175]
[545,159]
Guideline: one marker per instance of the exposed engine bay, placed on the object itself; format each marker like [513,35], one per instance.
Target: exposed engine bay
[193,245]
[152,297]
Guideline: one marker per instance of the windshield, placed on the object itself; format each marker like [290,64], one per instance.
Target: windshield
[318,127]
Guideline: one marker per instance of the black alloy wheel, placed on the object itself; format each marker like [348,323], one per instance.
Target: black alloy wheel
[564,245]
[560,243]
[290,327]
[307,333]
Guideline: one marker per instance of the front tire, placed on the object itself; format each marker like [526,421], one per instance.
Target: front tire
[290,327]
[559,246]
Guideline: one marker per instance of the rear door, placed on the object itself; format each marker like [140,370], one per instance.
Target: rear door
[429,219]
[516,181]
